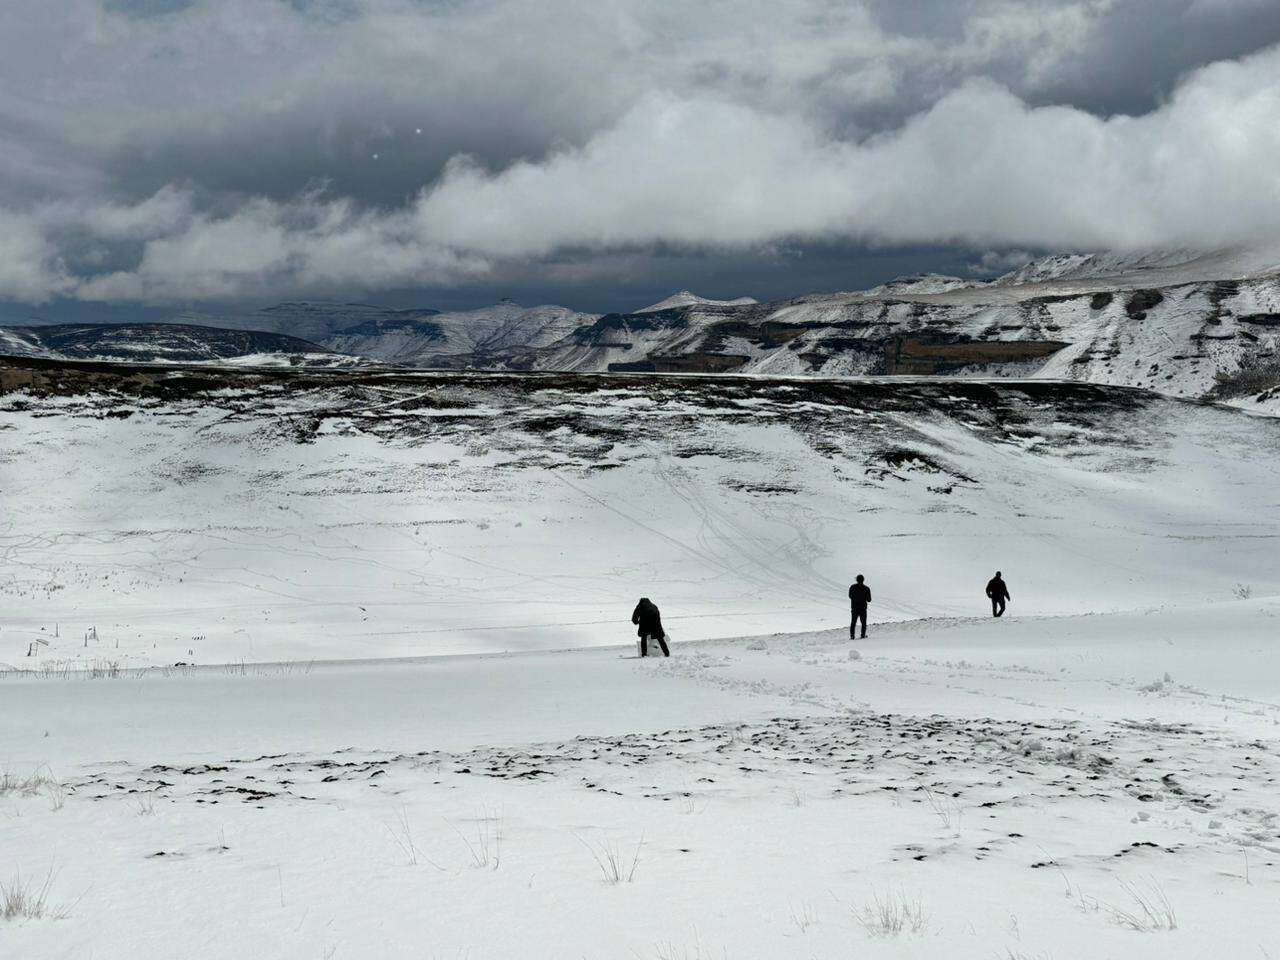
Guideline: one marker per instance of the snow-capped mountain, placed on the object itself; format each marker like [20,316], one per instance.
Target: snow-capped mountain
[160,342]
[685,298]
[1181,322]
[1150,320]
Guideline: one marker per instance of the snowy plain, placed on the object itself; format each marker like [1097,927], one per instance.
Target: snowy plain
[410,722]
[1014,781]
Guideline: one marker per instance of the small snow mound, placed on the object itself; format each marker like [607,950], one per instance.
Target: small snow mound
[855,655]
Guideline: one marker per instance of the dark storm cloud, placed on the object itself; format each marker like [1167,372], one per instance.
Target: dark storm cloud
[169,152]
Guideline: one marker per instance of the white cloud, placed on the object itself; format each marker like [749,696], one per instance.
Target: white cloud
[980,167]
[30,270]
[167,158]
[266,248]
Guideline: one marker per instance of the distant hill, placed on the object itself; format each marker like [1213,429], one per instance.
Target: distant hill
[152,342]
[505,330]
[312,320]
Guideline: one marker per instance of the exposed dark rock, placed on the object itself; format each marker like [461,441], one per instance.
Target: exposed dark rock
[1140,301]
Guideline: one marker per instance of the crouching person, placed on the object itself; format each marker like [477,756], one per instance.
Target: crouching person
[649,621]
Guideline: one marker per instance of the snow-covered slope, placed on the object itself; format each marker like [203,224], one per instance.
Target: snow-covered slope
[337,513]
[1144,268]
[506,327]
[157,342]
[685,298]
[185,553]
[921,283]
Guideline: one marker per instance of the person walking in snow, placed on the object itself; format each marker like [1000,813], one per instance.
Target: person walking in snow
[998,591]
[859,597]
[649,620]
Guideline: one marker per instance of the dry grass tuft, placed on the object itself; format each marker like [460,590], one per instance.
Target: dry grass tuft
[613,863]
[891,915]
[21,900]
[1150,909]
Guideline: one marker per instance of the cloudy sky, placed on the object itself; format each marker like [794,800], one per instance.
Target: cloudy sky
[162,155]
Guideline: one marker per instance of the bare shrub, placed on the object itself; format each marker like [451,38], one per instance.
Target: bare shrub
[1242,591]
[612,861]
[891,915]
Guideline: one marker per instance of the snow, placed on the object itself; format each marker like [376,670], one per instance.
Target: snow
[368,514]
[1147,268]
[416,725]
[923,283]
[503,326]
[1180,346]
[1010,777]
[1214,314]
[281,359]
[685,298]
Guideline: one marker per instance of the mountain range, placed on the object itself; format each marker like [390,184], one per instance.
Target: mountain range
[1180,322]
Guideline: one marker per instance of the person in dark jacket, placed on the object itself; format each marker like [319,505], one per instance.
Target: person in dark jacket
[998,591]
[649,620]
[859,597]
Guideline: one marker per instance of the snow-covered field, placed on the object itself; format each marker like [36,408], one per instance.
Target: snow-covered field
[410,721]
[225,516]
[1017,785]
